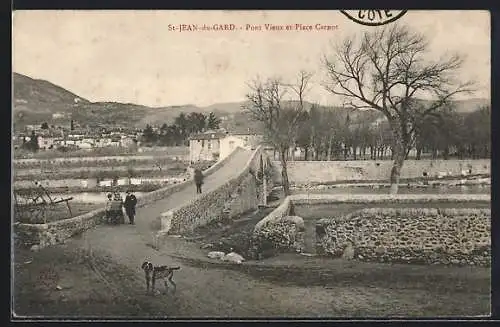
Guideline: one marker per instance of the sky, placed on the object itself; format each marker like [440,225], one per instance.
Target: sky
[132,57]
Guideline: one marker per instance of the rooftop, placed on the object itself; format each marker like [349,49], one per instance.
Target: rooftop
[242,130]
[208,135]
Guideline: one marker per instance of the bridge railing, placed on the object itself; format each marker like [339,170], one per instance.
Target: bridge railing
[164,192]
[209,206]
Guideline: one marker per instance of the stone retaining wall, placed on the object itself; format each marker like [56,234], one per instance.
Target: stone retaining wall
[238,195]
[281,236]
[43,235]
[312,199]
[428,236]
[306,172]
[277,231]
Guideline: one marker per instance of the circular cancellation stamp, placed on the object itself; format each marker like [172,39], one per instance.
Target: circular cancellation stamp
[373,17]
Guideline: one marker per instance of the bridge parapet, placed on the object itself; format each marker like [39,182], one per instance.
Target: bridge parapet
[245,192]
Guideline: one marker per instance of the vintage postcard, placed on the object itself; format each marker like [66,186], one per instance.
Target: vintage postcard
[251,164]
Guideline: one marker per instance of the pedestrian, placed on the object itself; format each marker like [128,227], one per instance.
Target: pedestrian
[198,180]
[117,209]
[130,203]
[109,203]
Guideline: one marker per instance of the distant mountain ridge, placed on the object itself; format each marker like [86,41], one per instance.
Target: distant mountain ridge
[35,100]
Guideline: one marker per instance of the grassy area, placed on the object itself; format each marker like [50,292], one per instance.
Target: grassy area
[398,290]
[69,281]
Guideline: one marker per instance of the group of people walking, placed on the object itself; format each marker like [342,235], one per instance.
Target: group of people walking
[115,204]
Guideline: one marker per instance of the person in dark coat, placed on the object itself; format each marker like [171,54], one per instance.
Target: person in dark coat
[198,180]
[129,204]
[109,204]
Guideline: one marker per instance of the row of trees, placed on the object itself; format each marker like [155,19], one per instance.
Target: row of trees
[337,133]
[386,70]
[179,131]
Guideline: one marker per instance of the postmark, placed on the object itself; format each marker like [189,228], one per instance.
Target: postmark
[374,17]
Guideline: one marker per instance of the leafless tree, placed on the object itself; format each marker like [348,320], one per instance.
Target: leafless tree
[280,107]
[387,70]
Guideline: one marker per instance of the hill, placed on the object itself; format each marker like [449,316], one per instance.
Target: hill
[36,101]
[29,92]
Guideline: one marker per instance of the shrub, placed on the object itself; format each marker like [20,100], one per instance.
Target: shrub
[280,236]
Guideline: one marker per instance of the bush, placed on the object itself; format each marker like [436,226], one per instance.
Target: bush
[280,236]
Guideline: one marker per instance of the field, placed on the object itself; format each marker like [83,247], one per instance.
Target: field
[102,152]
[102,172]
[82,171]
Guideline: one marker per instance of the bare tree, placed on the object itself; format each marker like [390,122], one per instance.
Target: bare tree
[281,109]
[387,70]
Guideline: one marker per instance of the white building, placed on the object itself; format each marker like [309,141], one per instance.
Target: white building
[85,145]
[205,146]
[127,141]
[46,142]
[229,143]
[61,115]
[218,145]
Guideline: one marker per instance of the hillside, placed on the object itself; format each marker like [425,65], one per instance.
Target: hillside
[470,105]
[30,92]
[36,100]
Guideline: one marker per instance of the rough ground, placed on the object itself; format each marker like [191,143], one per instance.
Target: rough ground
[98,274]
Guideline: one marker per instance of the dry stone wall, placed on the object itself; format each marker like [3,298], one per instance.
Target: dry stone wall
[213,205]
[306,172]
[427,236]
[282,236]
[311,199]
[432,236]
[42,235]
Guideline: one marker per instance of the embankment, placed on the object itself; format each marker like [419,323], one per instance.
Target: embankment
[307,172]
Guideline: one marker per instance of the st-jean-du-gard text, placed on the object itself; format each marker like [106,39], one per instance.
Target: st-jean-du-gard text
[251,27]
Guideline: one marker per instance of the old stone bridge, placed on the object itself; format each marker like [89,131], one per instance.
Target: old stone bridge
[232,186]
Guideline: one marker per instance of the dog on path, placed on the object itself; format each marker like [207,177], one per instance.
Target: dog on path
[154,273]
